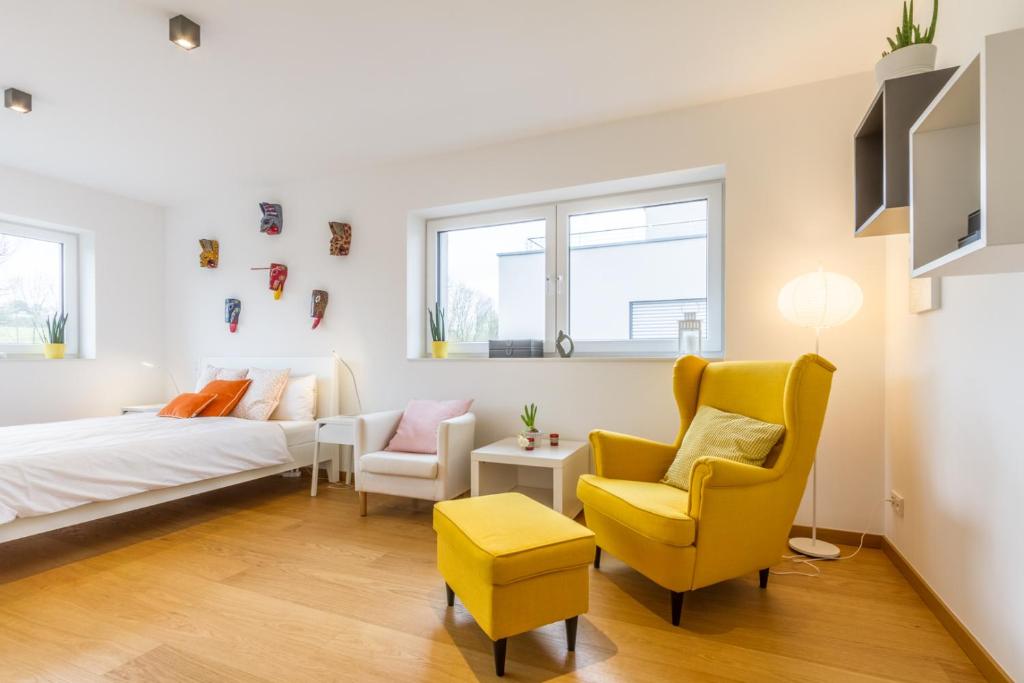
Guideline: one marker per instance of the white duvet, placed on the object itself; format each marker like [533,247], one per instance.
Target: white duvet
[54,466]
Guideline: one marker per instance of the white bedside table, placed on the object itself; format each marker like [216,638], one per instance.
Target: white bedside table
[148,408]
[339,430]
[548,474]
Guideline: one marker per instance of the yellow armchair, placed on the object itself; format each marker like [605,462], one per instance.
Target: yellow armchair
[736,517]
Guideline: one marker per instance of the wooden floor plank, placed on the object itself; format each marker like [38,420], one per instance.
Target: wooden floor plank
[260,582]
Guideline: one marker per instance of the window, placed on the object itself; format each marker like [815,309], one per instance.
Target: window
[38,278]
[615,272]
[488,273]
[660,319]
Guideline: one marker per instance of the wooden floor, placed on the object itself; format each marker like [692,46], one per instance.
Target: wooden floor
[263,583]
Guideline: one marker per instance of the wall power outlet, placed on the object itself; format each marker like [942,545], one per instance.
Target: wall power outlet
[897,502]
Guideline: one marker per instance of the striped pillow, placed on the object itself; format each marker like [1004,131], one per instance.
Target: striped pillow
[718,434]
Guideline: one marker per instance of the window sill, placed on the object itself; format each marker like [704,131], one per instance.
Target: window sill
[579,358]
[33,358]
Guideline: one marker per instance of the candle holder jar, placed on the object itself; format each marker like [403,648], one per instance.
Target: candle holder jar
[689,335]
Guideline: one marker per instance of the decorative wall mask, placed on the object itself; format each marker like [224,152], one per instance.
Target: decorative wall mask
[318,306]
[232,309]
[273,218]
[560,345]
[278,274]
[341,238]
[209,257]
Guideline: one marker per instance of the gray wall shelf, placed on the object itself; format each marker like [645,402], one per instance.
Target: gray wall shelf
[882,154]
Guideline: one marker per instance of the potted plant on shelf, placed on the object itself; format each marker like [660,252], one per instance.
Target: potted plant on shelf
[53,336]
[439,345]
[911,50]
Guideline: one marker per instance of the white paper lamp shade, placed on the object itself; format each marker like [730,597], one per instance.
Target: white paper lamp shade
[820,300]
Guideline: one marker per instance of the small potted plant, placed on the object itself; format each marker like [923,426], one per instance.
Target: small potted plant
[911,50]
[439,343]
[53,336]
[529,418]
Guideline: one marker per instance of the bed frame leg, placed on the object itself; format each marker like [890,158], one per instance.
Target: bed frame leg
[362,503]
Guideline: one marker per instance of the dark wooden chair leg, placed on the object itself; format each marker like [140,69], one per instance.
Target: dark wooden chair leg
[597,558]
[570,632]
[450,594]
[764,578]
[677,607]
[500,647]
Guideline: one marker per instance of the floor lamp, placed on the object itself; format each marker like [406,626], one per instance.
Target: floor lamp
[818,300]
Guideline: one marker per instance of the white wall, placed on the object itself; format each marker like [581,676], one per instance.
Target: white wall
[788,207]
[129,302]
[954,428]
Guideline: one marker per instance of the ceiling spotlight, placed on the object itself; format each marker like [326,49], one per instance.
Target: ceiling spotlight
[184,32]
[17,100]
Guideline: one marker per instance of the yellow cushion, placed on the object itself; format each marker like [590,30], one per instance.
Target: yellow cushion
[728,436]
[653,510]
[509,537]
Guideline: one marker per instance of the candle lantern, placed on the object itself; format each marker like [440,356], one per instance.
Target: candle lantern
[689,335]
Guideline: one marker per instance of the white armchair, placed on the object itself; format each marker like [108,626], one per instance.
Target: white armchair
[413,475]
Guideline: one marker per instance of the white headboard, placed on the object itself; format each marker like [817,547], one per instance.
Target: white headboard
[324,367]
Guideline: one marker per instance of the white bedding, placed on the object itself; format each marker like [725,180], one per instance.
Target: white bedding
[55,466]
[297,432]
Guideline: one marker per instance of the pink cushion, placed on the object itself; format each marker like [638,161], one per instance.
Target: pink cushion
[417,430]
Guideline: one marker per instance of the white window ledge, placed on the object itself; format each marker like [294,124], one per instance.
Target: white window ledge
[558,359]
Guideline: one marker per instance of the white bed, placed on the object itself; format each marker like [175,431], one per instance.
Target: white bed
[58,474]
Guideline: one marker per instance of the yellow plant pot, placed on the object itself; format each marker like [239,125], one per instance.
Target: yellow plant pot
[53,350]
[439,349]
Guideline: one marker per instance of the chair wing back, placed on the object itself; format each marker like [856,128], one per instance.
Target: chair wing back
[743,525]
[791,394]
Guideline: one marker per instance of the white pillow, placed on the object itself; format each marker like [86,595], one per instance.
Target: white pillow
[298,402]
[211,373]
[263,394]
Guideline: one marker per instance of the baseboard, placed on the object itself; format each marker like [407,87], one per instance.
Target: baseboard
[974,650]
[838,536]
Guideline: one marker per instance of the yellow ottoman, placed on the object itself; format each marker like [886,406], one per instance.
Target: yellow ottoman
[515,564]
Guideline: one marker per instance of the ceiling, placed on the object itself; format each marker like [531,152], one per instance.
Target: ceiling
[286,89]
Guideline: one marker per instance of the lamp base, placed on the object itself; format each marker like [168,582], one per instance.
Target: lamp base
[814,548]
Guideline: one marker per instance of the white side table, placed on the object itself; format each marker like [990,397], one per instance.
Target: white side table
[548,474]
[339,430]
[148,408]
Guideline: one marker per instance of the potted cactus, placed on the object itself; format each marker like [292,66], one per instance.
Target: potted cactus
[911,50]
[529,418]
[438,336]
[53,336]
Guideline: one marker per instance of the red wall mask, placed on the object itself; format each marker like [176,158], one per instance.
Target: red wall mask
[317,306]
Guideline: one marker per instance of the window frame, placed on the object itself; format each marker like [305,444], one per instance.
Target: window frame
[710,192]
[436,288]
[557,258]
[69,284]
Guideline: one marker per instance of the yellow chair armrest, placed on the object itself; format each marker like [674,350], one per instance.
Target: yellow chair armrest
[714,473]
[620,456]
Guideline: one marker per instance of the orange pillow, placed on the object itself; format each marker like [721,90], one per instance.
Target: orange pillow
[228,391]
[186,405]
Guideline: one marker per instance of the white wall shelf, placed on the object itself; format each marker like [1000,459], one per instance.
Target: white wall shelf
[967,153]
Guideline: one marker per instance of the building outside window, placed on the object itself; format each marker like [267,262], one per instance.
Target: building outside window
[615,272]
